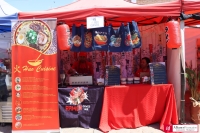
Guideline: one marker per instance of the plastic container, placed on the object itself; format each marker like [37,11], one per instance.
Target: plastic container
[123,79]
[129,80]
[136,80]
[123,82]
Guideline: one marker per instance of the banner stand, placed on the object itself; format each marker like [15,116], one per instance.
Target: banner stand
[34,75]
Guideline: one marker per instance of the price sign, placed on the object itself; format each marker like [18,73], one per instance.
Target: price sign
[158,73]
[112,76]
[95,22]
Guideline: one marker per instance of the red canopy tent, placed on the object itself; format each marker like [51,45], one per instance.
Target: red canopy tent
[114,11]
[191,7]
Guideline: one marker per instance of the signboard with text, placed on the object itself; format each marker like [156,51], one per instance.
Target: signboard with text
[95,22]
[34,76]
[112,75]
[158,73]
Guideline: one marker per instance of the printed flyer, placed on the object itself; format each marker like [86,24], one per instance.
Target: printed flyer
[34,75]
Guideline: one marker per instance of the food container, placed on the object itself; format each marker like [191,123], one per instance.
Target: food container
[136,80]
[123,82]
[130,81]
[100,81]
[123,79]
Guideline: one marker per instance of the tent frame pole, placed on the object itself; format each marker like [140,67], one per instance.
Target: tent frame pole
[183,80]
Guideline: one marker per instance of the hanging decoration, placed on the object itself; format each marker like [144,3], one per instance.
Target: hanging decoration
[86,35]
[115,36]
[133,37]
[77,39]
[173,35]
[63,35]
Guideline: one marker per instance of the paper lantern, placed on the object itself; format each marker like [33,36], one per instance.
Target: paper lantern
[173,35]
[63,35]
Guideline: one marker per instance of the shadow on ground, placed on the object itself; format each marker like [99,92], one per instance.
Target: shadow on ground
[6,128]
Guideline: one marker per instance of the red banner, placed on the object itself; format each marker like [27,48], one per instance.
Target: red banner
[34,76]
[150,48]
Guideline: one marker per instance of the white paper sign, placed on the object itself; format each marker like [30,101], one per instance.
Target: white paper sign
[95,22]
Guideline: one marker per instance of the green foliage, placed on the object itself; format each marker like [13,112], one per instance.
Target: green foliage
[193,77]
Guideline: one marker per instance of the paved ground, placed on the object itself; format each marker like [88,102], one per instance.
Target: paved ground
[6,129]
[154,128]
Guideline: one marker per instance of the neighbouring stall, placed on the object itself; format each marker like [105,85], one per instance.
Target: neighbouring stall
[5,35]
[7,12]
[145,25]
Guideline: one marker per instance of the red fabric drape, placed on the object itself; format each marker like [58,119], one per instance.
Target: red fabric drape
[134,106]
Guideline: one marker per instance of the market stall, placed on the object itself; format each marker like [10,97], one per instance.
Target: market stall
[116,13]
[7,13]
[5,34]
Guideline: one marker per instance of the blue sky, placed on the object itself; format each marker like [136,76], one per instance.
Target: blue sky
[37,5]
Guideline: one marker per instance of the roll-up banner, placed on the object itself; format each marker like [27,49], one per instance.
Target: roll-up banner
[34,76]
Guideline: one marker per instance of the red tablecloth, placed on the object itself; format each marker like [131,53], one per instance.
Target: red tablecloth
[132,106]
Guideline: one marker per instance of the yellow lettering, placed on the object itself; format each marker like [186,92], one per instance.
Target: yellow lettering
[26,68]
[45,69]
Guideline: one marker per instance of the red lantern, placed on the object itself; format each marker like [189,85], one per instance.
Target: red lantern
[173,35]
[63,35]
